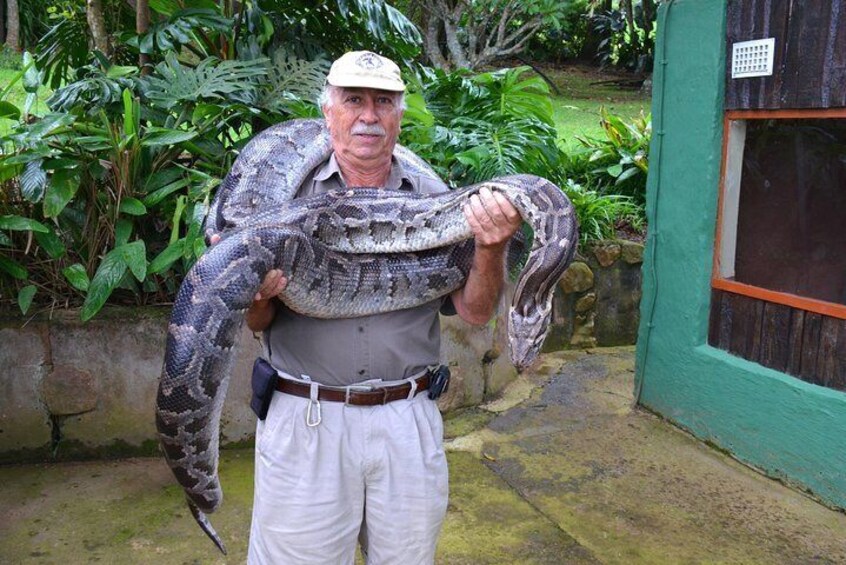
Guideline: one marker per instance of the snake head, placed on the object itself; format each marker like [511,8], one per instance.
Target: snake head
[526,333]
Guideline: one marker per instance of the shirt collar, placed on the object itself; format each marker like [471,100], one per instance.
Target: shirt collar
[398,178]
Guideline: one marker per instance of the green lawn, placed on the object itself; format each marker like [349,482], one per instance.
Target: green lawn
[584,91]
[581,117]
[17,96]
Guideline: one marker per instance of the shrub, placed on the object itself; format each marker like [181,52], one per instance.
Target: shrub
[617,163]
[475,127]
[601,214]
[106,194]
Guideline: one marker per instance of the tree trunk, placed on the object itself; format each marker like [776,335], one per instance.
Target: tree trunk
[142,25]
[648,7]
[629,10]
[2,22]
[13,25]
[456,51]
[97,25]
[431,42]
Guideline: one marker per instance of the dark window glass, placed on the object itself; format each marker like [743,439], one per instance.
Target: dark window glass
[791,232]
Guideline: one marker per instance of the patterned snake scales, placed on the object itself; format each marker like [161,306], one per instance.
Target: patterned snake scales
[345,254]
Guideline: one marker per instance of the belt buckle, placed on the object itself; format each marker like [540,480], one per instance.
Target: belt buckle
[349,389]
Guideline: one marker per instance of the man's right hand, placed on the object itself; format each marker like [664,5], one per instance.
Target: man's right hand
[273,284]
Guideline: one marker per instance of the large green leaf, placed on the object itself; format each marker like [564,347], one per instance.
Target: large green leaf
[32,77]
[167,257]
[48,125]
[51,243]
[130,114]
[33,180]
[173,83]
[132,207]
[123,230]
[62,187]
[64,48]
[179,28]
[95,92]
[19,223]
[77,277]
[106,279]
[13,268]
[291,79]
[9,110]
[132,256]
[135,256]
[25,296]
[163,136]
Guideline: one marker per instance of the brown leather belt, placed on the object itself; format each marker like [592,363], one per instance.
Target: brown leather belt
[351,395]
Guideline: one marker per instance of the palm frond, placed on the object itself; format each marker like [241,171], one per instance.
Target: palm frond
[63,48]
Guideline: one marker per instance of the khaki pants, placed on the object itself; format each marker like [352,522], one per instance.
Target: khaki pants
[380,471]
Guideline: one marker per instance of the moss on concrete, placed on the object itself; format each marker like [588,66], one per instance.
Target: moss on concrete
[489,523]
[569,475]
[464,421]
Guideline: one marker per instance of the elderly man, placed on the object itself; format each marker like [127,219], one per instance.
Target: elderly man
[332,467]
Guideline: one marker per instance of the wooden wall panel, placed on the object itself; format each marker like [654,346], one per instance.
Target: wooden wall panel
[806,345]
[809,67]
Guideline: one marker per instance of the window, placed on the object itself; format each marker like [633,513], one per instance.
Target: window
[782,227]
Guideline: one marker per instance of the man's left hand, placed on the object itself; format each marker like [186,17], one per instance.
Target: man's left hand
[492,217]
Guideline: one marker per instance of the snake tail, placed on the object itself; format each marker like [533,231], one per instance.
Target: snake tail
[206,526]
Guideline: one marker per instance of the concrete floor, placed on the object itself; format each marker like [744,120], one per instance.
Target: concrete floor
[560,470]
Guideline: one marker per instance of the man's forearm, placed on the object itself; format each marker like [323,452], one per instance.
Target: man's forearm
[476,302]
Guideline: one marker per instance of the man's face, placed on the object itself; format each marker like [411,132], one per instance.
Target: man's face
[363,122]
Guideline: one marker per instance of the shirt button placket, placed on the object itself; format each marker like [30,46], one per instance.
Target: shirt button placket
[364,349]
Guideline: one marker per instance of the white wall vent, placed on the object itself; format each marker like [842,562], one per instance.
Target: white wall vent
[753,58]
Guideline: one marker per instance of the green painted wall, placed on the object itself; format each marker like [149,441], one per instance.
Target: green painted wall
[788,428]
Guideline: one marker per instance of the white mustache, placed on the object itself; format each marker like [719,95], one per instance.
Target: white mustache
[368,129]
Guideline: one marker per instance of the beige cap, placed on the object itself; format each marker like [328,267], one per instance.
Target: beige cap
[365,69]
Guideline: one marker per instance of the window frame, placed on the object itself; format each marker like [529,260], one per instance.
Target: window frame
[718,281]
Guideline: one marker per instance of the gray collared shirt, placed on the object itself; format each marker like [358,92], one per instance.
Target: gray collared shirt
[389,346]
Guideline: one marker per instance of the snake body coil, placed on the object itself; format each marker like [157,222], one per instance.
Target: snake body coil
[345,254]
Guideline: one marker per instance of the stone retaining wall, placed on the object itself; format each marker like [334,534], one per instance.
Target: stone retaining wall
[598,299]
[71,390]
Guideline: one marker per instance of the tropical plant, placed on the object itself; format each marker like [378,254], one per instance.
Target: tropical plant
[601,214]
[474,127]
[105,196]
[627,31]
[617,163]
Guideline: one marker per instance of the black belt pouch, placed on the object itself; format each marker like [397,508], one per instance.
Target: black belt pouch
[264,385]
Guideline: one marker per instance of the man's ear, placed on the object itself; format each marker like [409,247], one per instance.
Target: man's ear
[326,111]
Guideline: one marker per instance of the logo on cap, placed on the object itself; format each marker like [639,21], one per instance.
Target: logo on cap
[369,61]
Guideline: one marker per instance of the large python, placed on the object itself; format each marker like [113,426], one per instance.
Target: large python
[346,254]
